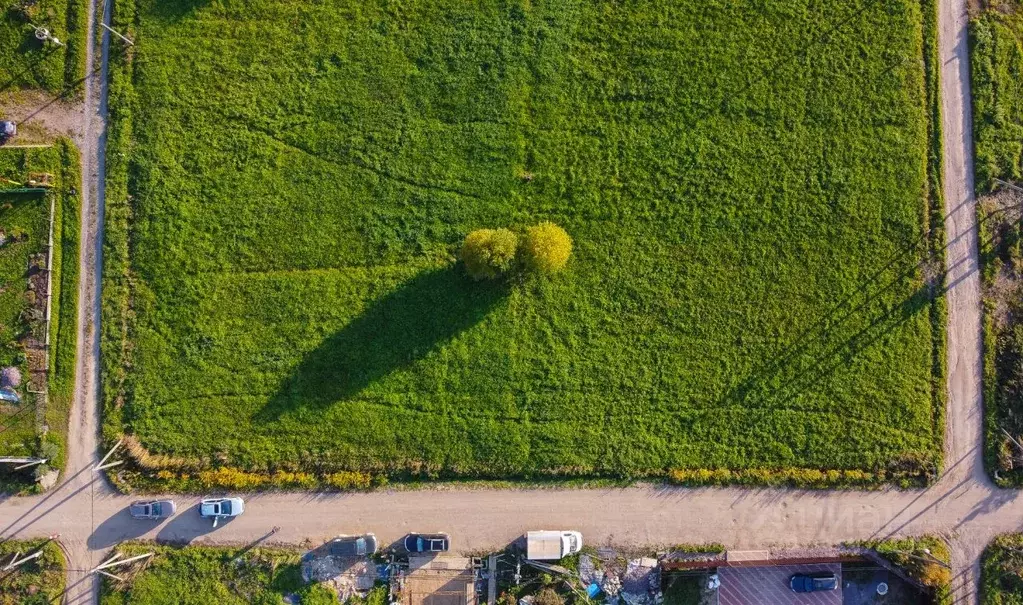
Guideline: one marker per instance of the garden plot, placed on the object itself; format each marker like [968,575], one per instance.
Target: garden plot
[746,186]
[35,185]
[196,575]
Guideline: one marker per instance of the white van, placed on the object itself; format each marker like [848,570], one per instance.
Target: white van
[548,545]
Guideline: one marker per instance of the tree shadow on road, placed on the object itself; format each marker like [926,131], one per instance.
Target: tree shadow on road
[404,326]
[187,526]
[119,527]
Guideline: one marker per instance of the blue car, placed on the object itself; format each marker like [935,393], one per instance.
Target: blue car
[427,543]
[813,582]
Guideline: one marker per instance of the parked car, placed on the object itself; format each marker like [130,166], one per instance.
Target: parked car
[547,545]
[219,508]
[152,509]
[813,582]
[427,542]
[353,546]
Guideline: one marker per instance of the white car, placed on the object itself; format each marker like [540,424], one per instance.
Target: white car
[219,508]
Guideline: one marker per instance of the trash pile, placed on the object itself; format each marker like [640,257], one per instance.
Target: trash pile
[346,576]
[632,581]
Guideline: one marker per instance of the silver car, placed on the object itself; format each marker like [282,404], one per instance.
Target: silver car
[219,508]
[152,509]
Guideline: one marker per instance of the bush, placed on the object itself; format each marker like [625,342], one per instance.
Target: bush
[489,253]
[546,248]
[231,478]
[10,377]
[346,480]
[935,575]
[548,596]
[48,450]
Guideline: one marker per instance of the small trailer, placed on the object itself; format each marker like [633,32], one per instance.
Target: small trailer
[7,130]
[548,545]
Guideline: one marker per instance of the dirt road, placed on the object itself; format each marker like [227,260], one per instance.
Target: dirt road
[83,432]
[739,518]
[963,505]
[964,432]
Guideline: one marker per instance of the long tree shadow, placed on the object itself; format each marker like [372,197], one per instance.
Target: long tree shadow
[119,527]
[394,332]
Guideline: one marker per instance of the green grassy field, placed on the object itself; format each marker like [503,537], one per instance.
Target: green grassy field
[24,218]
[38,582]
[996,39]
[747,187]
[201,575]
[28,63]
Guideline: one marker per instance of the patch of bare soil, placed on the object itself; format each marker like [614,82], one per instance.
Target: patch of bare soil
[35,317]
[346,576]
[1006,7]
[1001,212]
[42,117]
[1001,291]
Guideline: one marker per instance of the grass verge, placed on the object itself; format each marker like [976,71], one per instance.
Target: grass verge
[40,581]
[1001,581]
[924,558]
[199,575]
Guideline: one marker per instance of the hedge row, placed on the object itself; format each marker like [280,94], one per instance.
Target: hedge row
[797,477]
[227,478]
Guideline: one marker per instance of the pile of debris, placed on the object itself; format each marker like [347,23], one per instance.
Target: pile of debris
[346,576]
[632,581]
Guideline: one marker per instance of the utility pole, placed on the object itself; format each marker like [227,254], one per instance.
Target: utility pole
[1015,188]
[1012,439]
[115,561]
[16,562]
[929,558]
[43,35]
[101,466]
[126,39]
[23,462]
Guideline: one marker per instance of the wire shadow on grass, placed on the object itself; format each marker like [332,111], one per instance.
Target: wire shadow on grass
[853,325]
[402,327]
[174,10]
[21,78]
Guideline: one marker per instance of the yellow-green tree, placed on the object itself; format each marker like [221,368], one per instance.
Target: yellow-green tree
[546,248]
[489,253]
